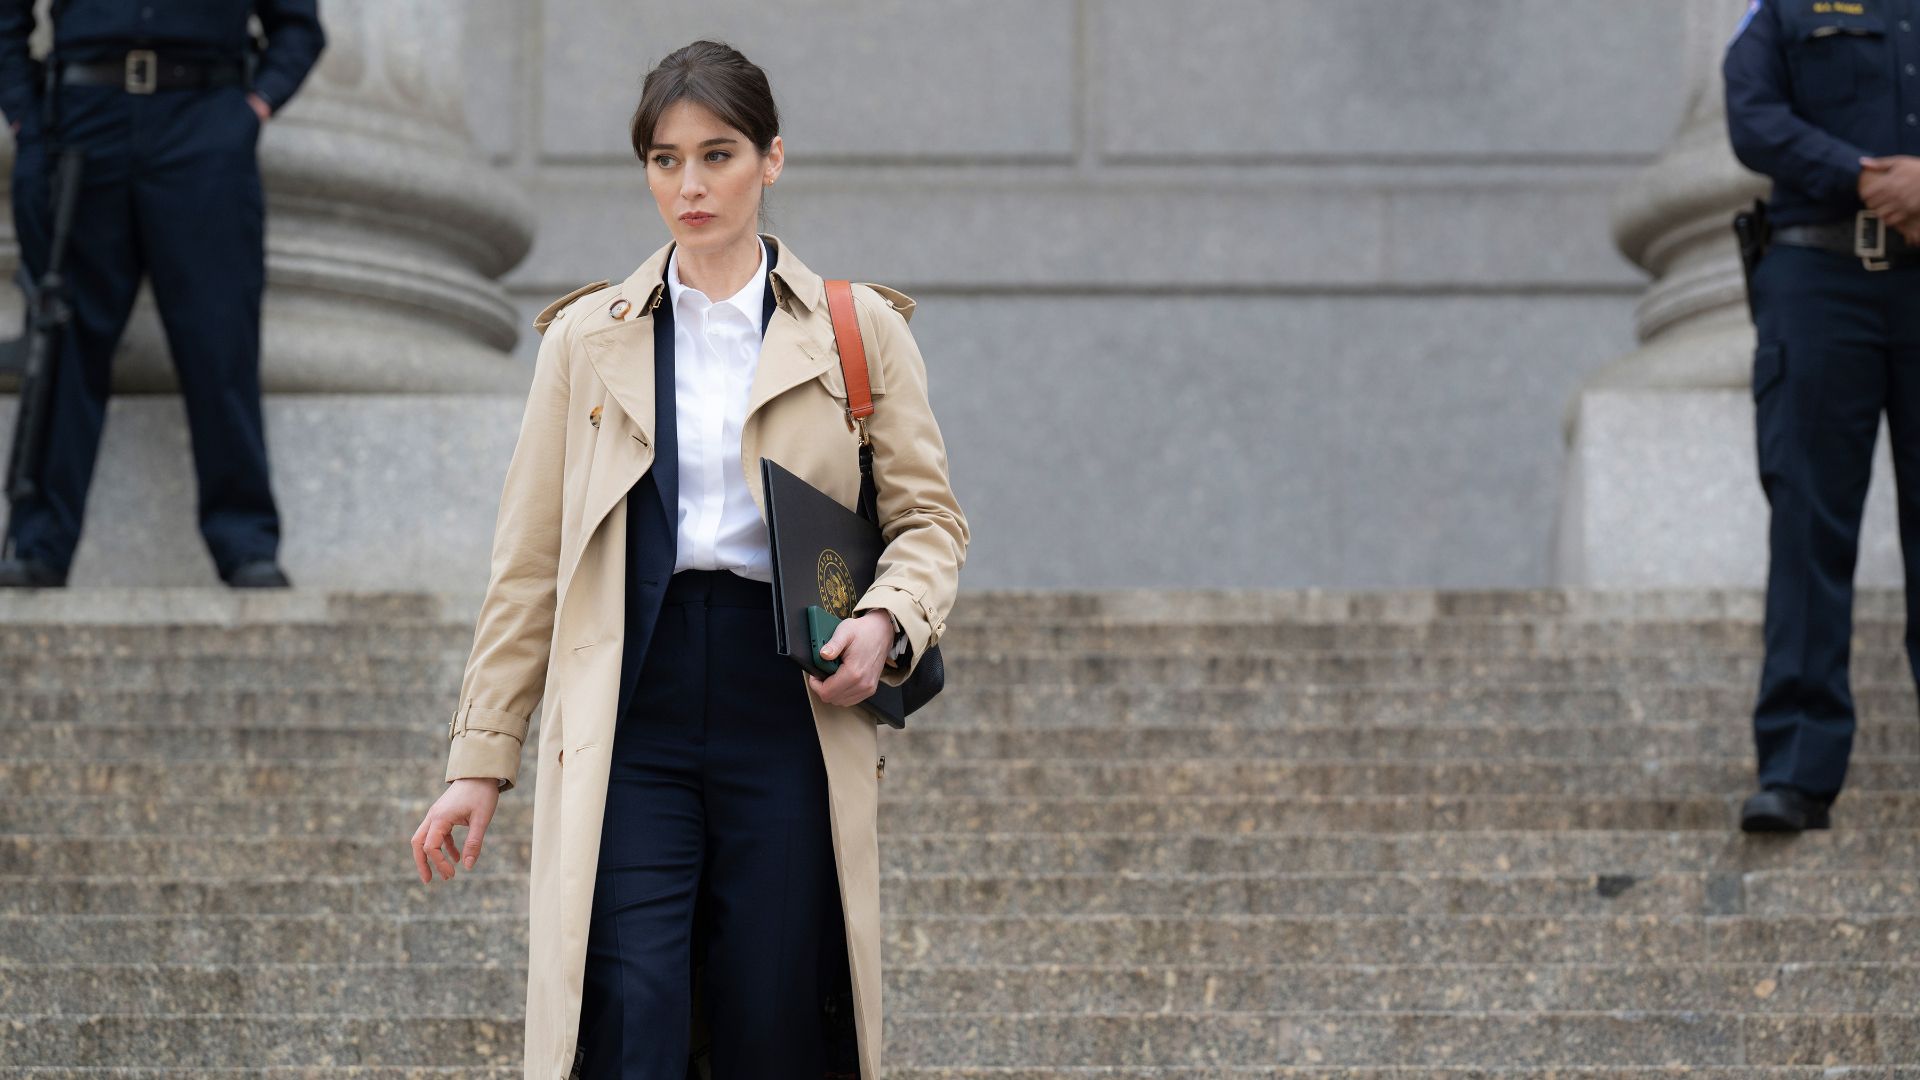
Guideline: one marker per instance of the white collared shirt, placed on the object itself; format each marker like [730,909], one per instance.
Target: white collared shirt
[716,350]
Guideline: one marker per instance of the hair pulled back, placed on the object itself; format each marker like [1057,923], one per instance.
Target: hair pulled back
[717,76]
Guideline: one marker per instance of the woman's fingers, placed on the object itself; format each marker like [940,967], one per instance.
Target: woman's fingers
[476,830]
[419,852]
[848,686]
[838,642]
[438,834]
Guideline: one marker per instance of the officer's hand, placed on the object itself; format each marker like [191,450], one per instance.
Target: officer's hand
[861,645]
[1890,187]
[260,107]
[470,802]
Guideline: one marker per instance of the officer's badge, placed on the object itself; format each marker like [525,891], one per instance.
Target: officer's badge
[594,416]
[836,584]
[619,308]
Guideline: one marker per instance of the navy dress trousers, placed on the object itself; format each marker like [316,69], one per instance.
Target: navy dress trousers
[1812,87]
[171,194]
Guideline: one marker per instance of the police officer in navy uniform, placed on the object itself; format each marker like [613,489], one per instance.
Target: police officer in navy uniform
[1823,96]
[166,99]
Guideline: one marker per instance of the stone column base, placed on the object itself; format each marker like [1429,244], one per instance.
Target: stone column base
[1662,491]
[375,491]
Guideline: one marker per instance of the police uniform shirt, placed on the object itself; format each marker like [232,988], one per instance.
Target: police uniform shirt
[1813,86]
[200,29]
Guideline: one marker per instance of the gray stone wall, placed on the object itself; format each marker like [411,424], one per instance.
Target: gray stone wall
[1266,292]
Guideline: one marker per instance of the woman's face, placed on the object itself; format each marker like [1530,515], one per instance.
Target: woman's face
[707,178]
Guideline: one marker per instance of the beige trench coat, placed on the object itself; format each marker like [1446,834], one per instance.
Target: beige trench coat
[551,622]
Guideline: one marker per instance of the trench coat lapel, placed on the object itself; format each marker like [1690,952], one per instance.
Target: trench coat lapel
[793,349]
[622,357]
[634,435]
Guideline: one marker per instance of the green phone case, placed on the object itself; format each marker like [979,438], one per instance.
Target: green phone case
[820,626]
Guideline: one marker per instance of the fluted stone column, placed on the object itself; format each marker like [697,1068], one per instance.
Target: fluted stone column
[1661,484]
[392,401]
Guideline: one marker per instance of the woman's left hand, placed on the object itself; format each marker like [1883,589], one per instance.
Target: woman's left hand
[861,645]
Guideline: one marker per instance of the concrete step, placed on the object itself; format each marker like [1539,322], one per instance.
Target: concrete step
[423,778]
[1226,636]
[1504,1041]
[1058,1072]
[247,1041]
[489,890]
[1418,1072]
[354,989]
[119,606]
[185,741]
[1227,778]
[421,989]
[1612,852]
[1513,706]
[1361,989]
[1022,939]
[282,641]
[493,891]
[1017,669]
[371,819]
[289,1072]
[1397,939]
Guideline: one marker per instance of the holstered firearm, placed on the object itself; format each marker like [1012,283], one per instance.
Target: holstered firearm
[1755,233]
[35,353]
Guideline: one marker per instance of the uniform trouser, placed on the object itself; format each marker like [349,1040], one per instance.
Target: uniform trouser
[172,191]
[716,851]
[1838,346]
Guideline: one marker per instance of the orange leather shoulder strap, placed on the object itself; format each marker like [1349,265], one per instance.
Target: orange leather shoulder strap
[853,352]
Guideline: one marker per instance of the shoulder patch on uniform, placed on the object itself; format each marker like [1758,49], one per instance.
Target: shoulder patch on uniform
[898,300]
[552,311]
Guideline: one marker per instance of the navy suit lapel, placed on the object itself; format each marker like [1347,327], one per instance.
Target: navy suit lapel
[666,436]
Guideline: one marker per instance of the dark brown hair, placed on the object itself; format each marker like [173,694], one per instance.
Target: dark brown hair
[717,76]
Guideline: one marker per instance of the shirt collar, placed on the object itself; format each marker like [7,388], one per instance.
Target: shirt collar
[749,301]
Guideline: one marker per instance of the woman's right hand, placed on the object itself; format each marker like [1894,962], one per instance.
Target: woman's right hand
[469,801]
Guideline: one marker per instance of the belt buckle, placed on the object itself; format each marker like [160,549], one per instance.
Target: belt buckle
[1870,240]
[143,71]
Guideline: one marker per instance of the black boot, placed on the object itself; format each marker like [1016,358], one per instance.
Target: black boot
[258,574]
[24,573]
[1783,810]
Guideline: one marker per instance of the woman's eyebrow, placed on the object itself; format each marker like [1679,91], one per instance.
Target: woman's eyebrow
[710,142]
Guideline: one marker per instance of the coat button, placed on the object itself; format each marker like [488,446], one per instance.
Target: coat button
[594,416]
[619,308]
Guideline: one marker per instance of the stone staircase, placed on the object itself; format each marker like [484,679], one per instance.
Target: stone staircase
[1165,835]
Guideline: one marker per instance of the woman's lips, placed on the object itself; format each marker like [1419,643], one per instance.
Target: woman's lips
[696,219]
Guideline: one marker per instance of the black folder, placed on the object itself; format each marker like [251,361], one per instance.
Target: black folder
[825,554]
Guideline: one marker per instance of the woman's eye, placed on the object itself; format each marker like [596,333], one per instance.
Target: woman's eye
[665,161]
[718,155]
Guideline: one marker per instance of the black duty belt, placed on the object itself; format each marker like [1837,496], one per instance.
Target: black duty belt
[1866,238]
[144,71]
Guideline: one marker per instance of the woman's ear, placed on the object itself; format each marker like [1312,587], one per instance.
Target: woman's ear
[776,160]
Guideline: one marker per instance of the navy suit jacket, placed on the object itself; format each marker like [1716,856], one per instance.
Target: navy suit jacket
[653,505]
